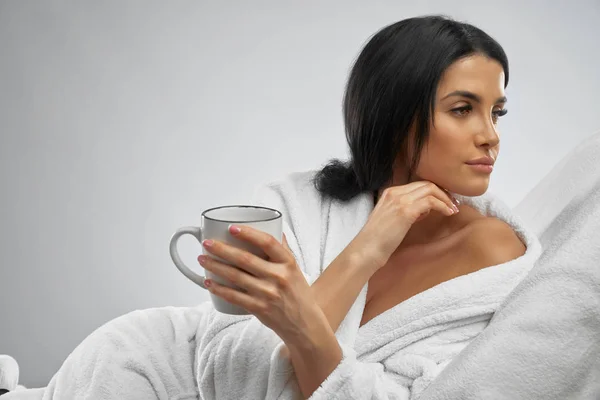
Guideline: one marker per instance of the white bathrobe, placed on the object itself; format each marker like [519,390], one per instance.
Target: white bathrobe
[395,355]
[495,333]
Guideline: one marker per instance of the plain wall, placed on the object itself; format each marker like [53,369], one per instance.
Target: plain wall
[122,121]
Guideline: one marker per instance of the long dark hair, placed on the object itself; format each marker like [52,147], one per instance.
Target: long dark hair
[391,88]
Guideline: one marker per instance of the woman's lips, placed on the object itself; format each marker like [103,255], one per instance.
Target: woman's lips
[482,168]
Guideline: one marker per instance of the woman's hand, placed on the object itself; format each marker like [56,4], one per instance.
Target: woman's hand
[396,211]
[274,290]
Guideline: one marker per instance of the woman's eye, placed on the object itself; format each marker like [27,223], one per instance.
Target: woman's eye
[462,111]
[498,113]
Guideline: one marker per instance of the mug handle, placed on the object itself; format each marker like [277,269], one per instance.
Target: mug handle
[191,275]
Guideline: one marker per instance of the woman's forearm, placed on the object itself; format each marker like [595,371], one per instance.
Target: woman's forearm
[334,291]
[315,357]
[338,286]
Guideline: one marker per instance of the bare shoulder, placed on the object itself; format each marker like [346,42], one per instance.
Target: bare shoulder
[491,241]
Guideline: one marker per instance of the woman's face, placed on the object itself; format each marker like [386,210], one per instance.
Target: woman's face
[469,101]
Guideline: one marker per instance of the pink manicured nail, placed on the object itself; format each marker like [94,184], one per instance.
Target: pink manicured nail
[234,229]
[207,243]
[207,283]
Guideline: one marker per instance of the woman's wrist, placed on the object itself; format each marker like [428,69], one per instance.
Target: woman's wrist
[365,253]
[365,256]
[315,357]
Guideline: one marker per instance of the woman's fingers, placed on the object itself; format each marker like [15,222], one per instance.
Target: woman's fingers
[432,189]
[419,189]
[254,265]
[276,252]
[233,296]
[429,203]
[234,275]
[242,259]
[422,216]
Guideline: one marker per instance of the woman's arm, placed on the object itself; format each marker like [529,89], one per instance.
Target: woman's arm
[335,291]
[338,286]
[315,357]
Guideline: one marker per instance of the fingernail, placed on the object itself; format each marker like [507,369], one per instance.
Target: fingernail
[456,208]
[207,283]
[207,243]
[234,229]
[202,259]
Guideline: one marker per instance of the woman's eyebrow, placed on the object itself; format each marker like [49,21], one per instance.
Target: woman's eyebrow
[472,96]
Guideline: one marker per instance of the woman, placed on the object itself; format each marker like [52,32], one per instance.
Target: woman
[421,109]
[434,89]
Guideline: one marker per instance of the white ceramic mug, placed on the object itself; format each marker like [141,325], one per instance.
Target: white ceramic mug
[215,225]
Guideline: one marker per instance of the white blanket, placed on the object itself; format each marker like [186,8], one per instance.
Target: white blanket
[188,353]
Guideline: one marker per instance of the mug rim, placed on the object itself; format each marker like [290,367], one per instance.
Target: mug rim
[241,206]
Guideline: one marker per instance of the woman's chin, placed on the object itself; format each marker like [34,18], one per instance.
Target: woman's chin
[471,190]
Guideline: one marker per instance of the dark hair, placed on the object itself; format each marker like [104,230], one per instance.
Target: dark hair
[391,88]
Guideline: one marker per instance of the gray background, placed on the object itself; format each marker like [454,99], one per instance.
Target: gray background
[121,121]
